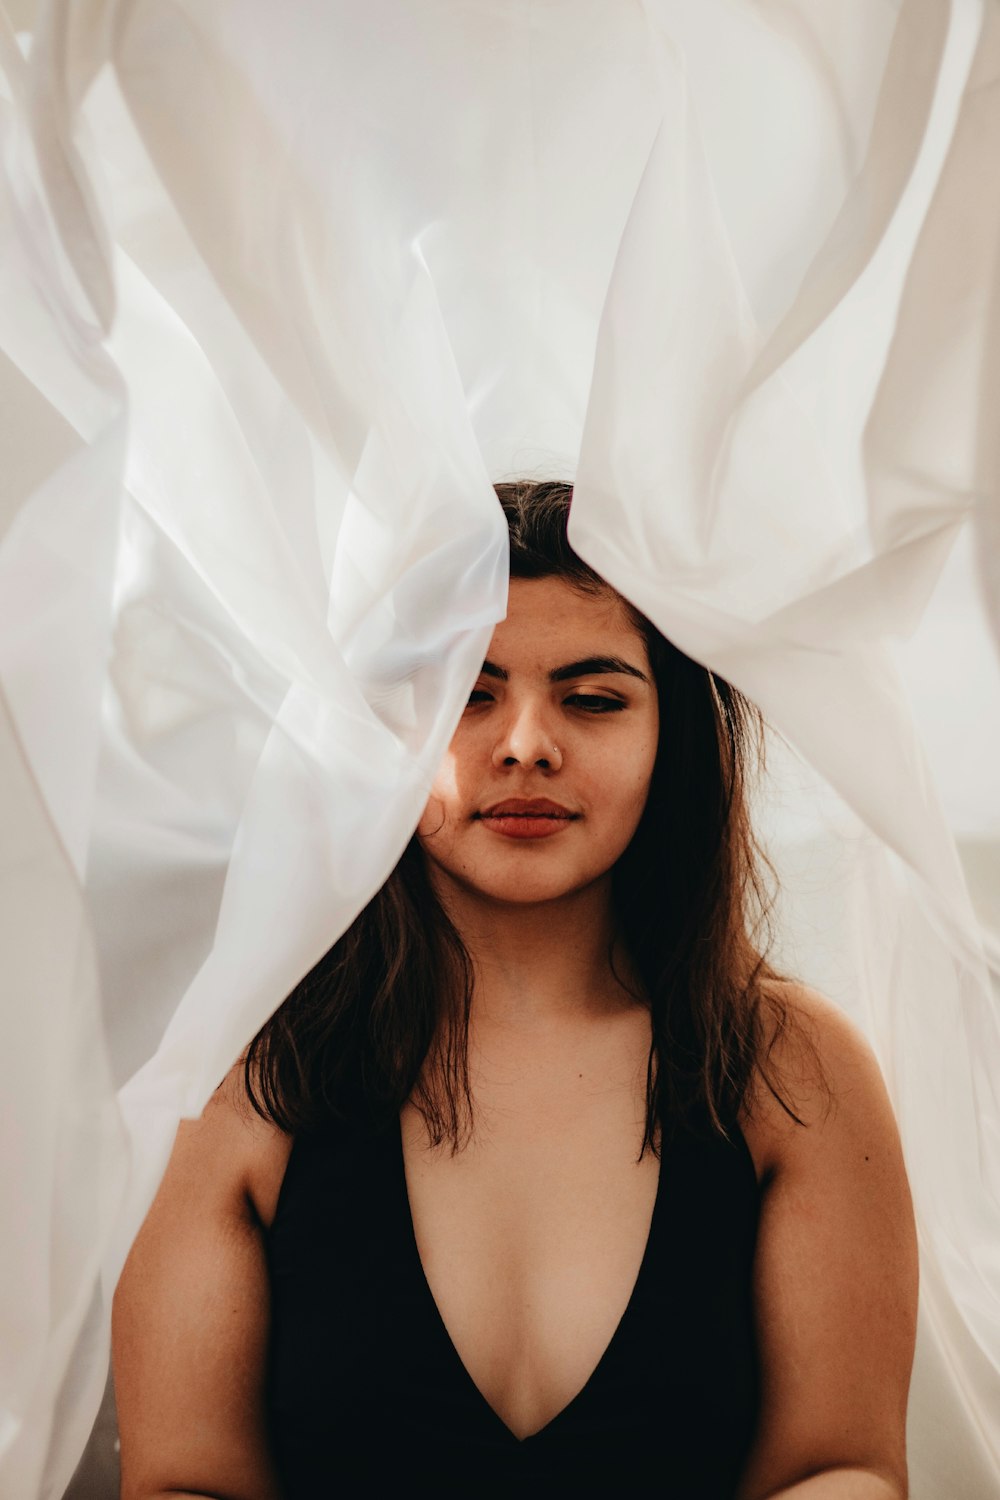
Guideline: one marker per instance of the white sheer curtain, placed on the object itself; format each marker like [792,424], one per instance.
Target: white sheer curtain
[283,289]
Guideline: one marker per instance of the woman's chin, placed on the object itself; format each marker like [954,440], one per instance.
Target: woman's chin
[524,889]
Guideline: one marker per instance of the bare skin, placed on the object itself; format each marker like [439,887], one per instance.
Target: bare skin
[531,1237]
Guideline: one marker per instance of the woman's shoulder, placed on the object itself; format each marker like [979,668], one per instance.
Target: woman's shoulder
[190,1313]
[817,1087]
[232,1152]
[836,1266]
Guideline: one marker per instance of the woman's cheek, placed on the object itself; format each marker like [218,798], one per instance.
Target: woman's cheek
[444,792]
[433,817]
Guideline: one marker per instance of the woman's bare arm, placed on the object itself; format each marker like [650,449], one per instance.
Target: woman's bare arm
[835,1279]
[190,1316]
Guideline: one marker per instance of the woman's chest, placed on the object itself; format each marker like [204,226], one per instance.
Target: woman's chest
[365,1377]
[362,1354]
[531,1240]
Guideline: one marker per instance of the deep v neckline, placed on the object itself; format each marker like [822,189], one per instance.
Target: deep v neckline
[435,1312]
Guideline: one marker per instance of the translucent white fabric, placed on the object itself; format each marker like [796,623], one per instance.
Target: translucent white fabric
[283,289]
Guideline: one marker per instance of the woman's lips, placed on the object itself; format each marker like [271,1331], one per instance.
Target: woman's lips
[526,825]
[526,817]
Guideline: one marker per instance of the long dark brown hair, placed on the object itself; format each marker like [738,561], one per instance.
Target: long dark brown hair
[384,1016]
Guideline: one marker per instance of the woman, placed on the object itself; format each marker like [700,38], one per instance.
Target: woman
[551,1182]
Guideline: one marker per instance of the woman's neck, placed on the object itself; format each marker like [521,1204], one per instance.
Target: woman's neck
[541,966]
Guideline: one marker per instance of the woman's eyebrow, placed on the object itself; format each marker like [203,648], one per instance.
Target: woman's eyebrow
[589,666]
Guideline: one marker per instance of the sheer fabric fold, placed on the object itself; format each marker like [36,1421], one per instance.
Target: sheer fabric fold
[283,291]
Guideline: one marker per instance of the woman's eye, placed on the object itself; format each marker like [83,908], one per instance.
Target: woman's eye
[593,704]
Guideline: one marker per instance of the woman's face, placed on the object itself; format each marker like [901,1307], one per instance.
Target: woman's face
[564,715]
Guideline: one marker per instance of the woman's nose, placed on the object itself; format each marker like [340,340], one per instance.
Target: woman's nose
[526,739]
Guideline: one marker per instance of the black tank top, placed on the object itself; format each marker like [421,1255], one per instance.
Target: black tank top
[367,1394]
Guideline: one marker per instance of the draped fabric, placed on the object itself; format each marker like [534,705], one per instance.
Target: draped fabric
[283,290]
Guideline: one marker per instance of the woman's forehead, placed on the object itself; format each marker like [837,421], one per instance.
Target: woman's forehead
[546,617]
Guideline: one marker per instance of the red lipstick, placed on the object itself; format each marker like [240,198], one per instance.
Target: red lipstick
[527,817]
